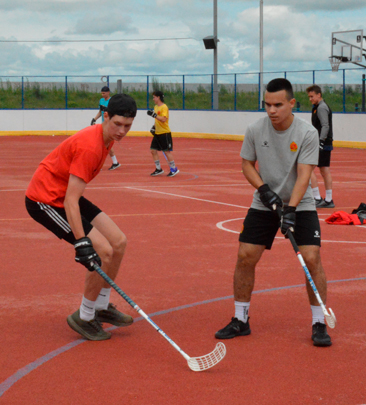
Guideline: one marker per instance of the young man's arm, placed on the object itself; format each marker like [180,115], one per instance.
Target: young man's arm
[75,190]
[251,173]
[302,183]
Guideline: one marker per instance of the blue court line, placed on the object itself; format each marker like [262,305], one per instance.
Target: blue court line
[10,381]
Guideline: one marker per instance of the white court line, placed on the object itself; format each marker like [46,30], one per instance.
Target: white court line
[189,198]
[221,226]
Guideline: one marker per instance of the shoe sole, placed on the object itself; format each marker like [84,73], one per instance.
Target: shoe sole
[106,320]
[321,344]
[74,326]
[172,174]
[114,168]
[245,333]
[157,174]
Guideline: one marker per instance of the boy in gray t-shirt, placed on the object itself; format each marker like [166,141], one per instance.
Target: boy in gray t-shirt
[279,153]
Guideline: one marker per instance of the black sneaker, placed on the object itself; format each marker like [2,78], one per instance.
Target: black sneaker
[113,316]
[157,172]
[173,172]
[235,328]
[325,204]
[320,336]
[318,202]
[91,330]
[114,166]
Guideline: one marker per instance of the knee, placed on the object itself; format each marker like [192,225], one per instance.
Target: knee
[313,262]
[119,244]
[245,259]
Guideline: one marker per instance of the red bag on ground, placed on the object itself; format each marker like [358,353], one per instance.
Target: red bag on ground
[343,218]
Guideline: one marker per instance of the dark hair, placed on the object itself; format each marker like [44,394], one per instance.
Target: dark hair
[159,94]
[281,84]
[105,88]
[123,105]
[315,88]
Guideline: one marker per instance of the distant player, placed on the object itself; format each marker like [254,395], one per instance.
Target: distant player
[103,104]
[321,118]
[162,140]
[54,198]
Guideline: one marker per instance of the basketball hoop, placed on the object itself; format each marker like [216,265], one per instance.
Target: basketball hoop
[335,62]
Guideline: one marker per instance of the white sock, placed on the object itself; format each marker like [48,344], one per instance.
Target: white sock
[172,164]
[103,298]
[87,309]
[316,193]
[318,315]
[328,195]
[157,164]
[114,160]
[242,310]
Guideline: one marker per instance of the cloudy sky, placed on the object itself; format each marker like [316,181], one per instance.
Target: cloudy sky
[165,36]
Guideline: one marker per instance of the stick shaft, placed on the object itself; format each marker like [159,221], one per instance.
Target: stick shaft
[307,272]
[138,309]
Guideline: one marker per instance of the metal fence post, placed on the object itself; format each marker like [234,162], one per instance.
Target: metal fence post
[22,92]
[259,91]
[363,92]
[66,92]
[184,94]
[147,92]
[235,92]
[344,90]
[212,92]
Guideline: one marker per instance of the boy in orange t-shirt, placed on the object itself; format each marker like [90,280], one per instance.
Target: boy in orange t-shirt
[54,198]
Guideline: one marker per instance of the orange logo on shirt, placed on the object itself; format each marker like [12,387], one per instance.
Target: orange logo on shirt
[293,147]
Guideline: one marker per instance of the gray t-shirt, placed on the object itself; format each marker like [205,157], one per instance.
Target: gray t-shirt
[277,154]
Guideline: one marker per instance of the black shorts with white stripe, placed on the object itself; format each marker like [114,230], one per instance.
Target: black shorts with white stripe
[54,218]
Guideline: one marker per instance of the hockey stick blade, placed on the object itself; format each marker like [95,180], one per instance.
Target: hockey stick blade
[208,361]
[194,363]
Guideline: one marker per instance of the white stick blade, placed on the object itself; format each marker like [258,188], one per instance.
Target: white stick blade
[208,361]
[331,319]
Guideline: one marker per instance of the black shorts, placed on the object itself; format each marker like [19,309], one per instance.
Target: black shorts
[162,142]
[260,228]
[54,218]
[324,158]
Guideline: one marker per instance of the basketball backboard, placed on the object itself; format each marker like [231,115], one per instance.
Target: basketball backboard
[348,47]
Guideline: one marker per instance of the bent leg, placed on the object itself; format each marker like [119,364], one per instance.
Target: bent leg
[311,255]
[244,275]
[110,244]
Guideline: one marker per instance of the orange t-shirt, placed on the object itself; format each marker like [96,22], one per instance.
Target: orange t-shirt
[82,155]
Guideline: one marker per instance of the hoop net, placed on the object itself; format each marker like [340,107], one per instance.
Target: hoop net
[334,63]
[208,361]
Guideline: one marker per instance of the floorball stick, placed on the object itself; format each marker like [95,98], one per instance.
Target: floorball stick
[194,363]
[329,316]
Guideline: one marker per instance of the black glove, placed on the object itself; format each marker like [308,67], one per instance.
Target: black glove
[152,130]
[321,144]
[93,122]
[152,113]
[288,220]
[269,197]
[85,253]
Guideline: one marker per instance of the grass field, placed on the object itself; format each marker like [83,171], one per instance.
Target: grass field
[52,97]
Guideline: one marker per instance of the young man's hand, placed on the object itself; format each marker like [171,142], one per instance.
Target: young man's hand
[85,253]
[93,121]
[152,113]
[288,220]
[268,197]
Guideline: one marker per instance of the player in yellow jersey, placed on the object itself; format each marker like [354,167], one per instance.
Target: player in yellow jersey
[162,140]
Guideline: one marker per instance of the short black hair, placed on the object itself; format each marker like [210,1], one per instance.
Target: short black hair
[105,88]
[315,88]
[123,105]
[281,84]
[159,94]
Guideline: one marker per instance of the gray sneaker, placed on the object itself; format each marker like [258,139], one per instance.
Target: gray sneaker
[91,330]
[113,316]
[325,204]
